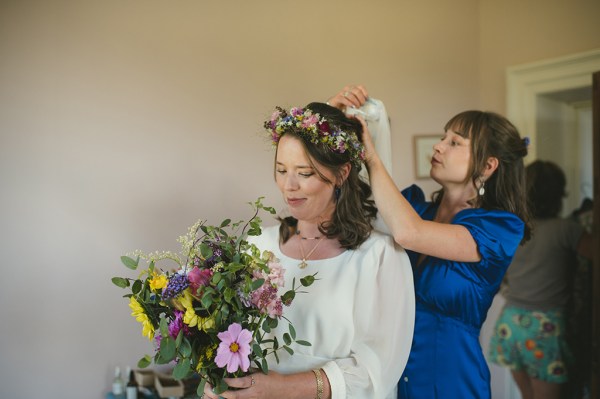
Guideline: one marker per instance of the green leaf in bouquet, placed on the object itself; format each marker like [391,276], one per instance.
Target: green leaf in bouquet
[207,300]
[266,327]
[221,387]
[216,278]
[182,369]
[225,222]
[256,284]
[303,343]
[179,339]
[151,266]
[205,250]
[167,350]
[229,294]
[265,366]
[257,350]
[120,282]
[288,350]
[307,280]
[164,327]
[255,229]
[224,312]
[137,287]
[200,389]
[287,339]
[185,348]
[144,362]
[269,209]
[129,262]
[288,297]
[292,331]
[273,323]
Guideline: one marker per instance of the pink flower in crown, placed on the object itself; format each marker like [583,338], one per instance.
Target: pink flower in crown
[310,120]
[234,349]
[275,115]
[199,278]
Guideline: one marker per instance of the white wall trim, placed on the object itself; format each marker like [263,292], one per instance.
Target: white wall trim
[525,82]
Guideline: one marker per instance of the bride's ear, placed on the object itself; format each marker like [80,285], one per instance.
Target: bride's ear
[344,172]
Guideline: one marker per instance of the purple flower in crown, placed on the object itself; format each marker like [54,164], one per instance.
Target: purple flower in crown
[296,111]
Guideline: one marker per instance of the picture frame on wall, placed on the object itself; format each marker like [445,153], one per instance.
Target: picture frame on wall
[423,151]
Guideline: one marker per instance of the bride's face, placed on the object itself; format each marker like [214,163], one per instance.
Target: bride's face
[308,197]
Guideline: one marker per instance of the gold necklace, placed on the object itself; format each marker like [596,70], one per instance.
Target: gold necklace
[303,264]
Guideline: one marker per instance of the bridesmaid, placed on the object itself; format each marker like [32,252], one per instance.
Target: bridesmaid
[460,243]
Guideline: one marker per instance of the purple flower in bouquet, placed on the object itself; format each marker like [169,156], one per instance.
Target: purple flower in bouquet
[177,325]
[234,349]
[177,284]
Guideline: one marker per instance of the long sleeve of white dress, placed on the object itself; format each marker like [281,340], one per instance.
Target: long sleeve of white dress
[358,316]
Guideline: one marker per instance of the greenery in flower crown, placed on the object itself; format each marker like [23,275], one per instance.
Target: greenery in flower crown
[316,129]
[211,313]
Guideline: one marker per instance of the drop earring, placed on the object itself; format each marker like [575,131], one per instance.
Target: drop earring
[337,192]
[481,190]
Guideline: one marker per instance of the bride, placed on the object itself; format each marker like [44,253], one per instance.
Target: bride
[359,314]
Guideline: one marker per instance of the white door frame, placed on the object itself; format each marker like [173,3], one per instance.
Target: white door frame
[525,82]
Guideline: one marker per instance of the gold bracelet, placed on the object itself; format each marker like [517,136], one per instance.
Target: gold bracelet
[319,383]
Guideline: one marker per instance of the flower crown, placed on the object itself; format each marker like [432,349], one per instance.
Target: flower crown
[317,130]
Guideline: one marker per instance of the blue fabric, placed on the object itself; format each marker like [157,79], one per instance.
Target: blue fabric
[446,360]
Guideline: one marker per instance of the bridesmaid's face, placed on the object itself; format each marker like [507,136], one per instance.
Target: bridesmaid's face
[451,159]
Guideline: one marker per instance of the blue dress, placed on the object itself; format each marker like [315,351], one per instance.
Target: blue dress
[452,300]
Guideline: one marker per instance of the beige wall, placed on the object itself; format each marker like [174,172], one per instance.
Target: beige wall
[515,32]
[122,122]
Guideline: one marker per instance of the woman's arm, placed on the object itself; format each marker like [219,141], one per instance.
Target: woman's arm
[274,386]
[442,240]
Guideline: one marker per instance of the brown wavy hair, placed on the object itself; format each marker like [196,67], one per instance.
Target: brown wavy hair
[355,210]
[492,135]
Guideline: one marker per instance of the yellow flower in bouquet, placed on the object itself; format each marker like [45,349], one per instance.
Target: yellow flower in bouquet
[211,313]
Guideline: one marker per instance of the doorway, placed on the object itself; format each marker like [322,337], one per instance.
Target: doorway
[551,102]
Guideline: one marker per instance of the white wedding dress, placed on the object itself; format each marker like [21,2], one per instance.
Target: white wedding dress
[358,316]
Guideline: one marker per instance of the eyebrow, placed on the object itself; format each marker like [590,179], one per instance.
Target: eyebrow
[299,167]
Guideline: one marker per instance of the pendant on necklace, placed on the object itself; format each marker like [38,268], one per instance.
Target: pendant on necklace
[303,264]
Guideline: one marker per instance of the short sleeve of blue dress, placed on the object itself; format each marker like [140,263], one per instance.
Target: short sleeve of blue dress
[452,302]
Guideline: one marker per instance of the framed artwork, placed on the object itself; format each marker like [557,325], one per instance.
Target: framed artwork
[423,151]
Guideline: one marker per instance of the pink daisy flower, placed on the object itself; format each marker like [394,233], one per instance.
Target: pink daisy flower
[234,349]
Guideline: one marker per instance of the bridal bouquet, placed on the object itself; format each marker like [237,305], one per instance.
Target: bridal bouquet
[212,310]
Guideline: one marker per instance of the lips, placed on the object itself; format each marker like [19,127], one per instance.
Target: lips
[294,202]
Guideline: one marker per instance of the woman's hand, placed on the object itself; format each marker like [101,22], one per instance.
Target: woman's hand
[367,141]
[350,96]
[253,386]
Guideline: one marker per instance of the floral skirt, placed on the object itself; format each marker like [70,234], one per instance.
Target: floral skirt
[532,341]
